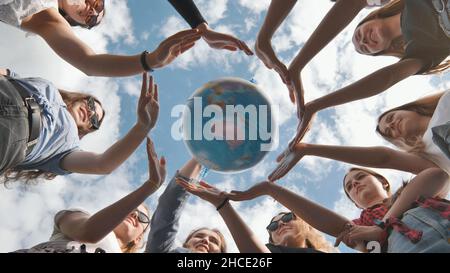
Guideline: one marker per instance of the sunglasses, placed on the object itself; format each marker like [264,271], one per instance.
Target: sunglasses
[285,218]
[94,120]
[143,219]
[98,7]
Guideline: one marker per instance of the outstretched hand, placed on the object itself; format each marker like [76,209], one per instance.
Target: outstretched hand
[156,167]
[286,161]
[219,40]
[255,191]
[204,191]
[172,47]
[148,106]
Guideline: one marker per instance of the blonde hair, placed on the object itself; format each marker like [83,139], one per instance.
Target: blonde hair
[131,247]
[397,47]
[314,239]
[424,107]
[223,245]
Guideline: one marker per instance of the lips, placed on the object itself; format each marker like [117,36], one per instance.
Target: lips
[202,246]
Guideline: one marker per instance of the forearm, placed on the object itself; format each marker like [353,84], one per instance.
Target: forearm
[371,85]
[317,216]
[278,11]
[107,219]
[340,15]
[375,157]
[120,151]
[189,11]
[106,65]
[244,238]
[429,183]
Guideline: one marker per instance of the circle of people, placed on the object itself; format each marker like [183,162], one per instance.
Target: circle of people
[42,127]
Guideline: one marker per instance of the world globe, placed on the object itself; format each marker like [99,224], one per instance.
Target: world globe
[228,125]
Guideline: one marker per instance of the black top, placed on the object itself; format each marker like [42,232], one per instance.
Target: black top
[189,11]
[424,37]
[283,249]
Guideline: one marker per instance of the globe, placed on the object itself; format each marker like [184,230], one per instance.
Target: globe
[228,125]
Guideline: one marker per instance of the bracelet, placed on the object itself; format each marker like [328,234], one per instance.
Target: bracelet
[223,203]
[144,62]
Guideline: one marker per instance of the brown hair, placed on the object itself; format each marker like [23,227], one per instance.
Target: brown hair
[425,107]
[378,176]
[392,197]
[223,245]
[30,176]
[131,247]
[313,238]
[397,47]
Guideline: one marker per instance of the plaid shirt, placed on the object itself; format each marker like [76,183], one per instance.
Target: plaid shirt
[370,214]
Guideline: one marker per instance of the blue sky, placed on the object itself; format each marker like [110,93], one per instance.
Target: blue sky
[135,25]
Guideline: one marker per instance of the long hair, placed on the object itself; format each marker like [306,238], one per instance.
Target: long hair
[223,245]
[378,176]
[391,196]
[31,176]
[131,247]
[313,238]
[397,47]
[424,107]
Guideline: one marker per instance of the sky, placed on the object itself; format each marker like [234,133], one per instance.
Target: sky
[133,26]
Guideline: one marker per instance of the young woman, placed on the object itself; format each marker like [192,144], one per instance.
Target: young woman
[420,128]
[412,30]
[119,227]
[52,20]
[42,127]
[165,221]
[421,229]
[288,233]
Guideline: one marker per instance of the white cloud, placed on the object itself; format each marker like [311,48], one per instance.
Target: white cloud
[212,10]
[255,6]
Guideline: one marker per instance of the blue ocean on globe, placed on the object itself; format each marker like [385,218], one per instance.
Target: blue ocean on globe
[228,125]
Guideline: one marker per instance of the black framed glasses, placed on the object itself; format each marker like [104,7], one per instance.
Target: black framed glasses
[98,7]
[143,219]
[285,218]
[93,119]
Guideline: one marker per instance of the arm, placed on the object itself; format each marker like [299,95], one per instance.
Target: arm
[242,235]
[244,238]
[375,157]
[165,220]
[340,15]
[58,34]
[317,216]
[112,158]
[189,11]
[432,182]
[80,227]
[3,72]
[371,85]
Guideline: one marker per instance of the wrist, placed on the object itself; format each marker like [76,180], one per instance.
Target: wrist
[203,27]
[222,204]
[151,60]
[142,127]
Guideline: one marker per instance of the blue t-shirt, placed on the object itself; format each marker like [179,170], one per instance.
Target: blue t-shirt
[59,133]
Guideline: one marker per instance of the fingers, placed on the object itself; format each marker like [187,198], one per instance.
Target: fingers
[292,95]
[243,46]
[144,85]
[185,34]
[230,48]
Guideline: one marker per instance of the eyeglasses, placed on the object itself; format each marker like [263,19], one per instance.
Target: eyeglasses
[93,119]
[98,7]
[285,218]
[142,218]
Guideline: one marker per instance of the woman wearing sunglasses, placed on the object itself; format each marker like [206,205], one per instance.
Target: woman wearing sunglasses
[117,228]
[414,219]
[165,221]
[52,20]
[43,126]
[288,233]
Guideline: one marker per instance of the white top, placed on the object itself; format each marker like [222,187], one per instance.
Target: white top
[377,3]
[441,116]
[12,12]
[58,241]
